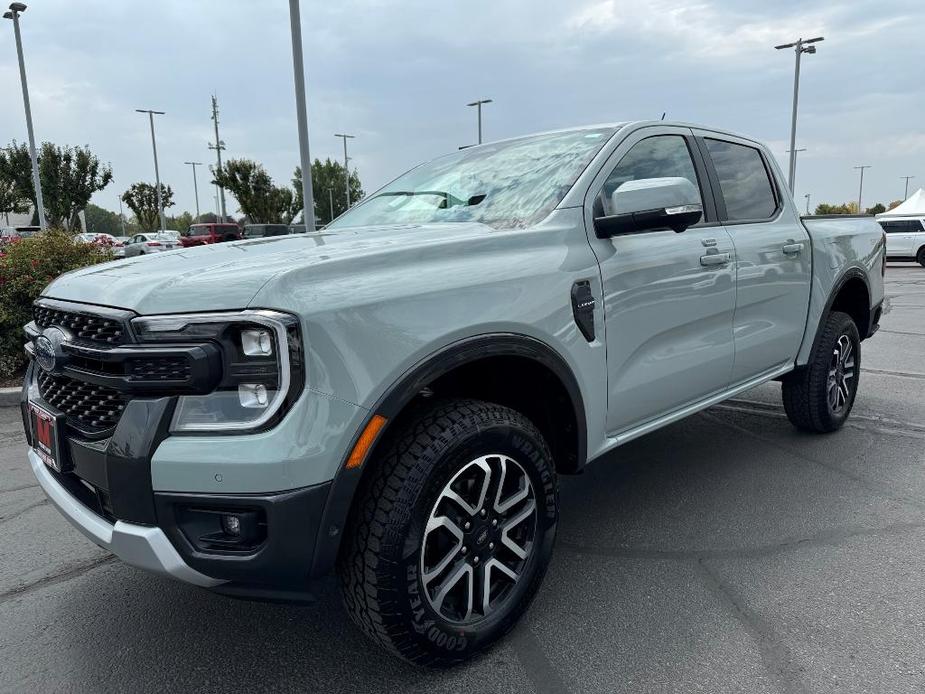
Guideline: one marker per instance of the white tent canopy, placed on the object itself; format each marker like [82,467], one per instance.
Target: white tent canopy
[913,207]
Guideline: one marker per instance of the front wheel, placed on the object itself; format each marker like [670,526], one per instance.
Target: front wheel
[819,396]
[920,257]
[451,533]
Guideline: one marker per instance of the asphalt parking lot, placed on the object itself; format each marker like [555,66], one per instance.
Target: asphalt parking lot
[726,553]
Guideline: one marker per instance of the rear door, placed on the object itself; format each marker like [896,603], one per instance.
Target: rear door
[668,303]
[773,256]
[900,236]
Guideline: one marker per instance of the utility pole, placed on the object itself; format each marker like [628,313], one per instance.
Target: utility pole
[331,203]
[218,147]
[298,73]
[906,194]
[121,216]
[861,186]
[194,164]
[807,202]
[800,47]
[346,164]
[793,156]
[16,9]
[157,174]
[478,106]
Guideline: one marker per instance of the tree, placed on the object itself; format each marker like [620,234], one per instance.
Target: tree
[876,209]
[141,199]
[102,221]
[181,222]
[327,175]
[12,201]
[893,205]
[69,176]
[252,187]
[844,208]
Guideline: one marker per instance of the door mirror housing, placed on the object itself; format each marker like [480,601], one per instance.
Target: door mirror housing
[648,204]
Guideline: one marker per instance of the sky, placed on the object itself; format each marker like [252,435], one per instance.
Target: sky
[398,76]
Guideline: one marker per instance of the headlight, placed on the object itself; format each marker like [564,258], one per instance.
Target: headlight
[262,366]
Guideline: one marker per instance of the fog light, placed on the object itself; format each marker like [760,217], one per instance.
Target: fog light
[253,395]
[231,524]
[256,343]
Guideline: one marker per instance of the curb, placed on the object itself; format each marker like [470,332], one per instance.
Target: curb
[9,397]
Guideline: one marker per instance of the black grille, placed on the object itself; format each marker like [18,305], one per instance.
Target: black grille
[89,408]
[83,326]
[159,369]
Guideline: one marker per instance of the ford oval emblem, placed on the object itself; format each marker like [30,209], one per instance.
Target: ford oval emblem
[48,352]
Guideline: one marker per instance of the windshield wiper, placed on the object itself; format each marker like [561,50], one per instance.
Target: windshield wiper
[449,200]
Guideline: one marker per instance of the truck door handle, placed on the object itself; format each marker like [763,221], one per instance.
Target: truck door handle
[792,248]
[714,259]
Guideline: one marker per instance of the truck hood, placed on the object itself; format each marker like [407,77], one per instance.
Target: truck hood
[227,276]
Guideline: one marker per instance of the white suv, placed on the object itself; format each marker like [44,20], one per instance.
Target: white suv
[905,239]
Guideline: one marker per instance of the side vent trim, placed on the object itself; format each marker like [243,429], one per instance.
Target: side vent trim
[583,308]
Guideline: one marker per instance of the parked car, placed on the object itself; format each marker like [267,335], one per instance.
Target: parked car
[397,398]
[202,234]
[150,242]
[905,239]
[257,231]
[10,234]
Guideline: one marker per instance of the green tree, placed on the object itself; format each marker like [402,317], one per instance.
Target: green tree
[893,205]
[876,209]
[102,221]
[181,222]
[141,199]
[258,199]
[69,176]
[844,208]
[327,175]
[12,201]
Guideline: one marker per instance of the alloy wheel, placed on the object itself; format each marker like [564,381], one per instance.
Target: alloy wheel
[841,373]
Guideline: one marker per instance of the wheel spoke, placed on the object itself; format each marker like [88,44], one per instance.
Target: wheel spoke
[491,565]
[452,553]
[522,491]
[510,524]
[471,509]
[450,583]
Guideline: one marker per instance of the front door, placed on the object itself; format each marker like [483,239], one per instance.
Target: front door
[900,236]
[668,305]
[773,256]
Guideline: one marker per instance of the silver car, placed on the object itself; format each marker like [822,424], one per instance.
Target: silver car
[152,242]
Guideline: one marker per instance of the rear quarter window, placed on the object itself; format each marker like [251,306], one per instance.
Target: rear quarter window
[744,181]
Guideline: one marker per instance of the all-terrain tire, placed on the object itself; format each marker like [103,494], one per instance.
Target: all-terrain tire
[920,256]
[382,563]
[807,392]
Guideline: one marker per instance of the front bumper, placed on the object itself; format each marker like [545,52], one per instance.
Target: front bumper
[139,545]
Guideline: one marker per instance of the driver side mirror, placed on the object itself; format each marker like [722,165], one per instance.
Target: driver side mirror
[648,204]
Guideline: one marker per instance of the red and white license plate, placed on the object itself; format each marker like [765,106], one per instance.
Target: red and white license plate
[46,436]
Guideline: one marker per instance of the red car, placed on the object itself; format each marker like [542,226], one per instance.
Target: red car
[201,234]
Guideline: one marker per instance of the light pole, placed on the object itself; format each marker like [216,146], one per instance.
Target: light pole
[331,203]
[800,47]
[157,173]
[194,164]
[793,154]
[16,9]
[861,186]
[298,70]
[906,194]
[218,147]
[478,106]
[807,202]
[346,164]
[121,216]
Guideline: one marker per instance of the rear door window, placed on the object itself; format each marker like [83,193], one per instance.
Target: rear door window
[744,181]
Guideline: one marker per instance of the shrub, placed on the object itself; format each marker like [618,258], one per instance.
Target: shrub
[26,267]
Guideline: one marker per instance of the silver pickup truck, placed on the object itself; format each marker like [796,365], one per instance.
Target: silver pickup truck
[395,396]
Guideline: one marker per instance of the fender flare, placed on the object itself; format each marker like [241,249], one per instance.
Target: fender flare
[403,390]
[850,274]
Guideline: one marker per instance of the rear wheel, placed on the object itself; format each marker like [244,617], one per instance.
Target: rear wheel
[451,533]
[920,257]
[819,396]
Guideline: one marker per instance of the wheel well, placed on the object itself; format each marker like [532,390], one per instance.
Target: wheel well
[854,299]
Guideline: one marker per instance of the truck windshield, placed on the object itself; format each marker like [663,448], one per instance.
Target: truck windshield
[507,185]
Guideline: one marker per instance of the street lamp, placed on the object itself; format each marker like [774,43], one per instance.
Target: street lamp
[800,47]
[861,186]
[807,202]
[157,173]
[331,203]
[793,153]
[298,69]
[346,164]
[478,106]
[906,194]
[16,9]
[194,164]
